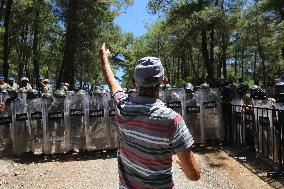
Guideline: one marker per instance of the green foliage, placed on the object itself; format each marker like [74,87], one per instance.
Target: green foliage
[95,26]
[249,35]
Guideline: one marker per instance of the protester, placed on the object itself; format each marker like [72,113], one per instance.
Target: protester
[150,133]
[25,84]
[12,83]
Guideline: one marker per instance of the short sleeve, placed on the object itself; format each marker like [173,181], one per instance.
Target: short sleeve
[180,137]
[118,96]
[119,99]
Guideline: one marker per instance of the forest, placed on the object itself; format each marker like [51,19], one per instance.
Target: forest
[197,40]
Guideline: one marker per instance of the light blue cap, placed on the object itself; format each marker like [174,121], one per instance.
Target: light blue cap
[148,72]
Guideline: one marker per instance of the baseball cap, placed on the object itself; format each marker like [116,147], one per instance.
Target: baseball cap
[149,72]
[1,78]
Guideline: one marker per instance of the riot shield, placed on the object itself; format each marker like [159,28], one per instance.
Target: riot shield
[211,113]
[238,124]
[175,99]
[192,115]
[97,133]
[76,121]
[3,97]
[54,125]
[35,108]
[112,126]
[21,125]
[5,129]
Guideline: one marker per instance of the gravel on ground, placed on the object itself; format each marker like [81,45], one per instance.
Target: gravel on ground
[99,170]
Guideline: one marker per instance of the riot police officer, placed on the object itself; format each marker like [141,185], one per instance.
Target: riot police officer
[12,83]
[25,84]
[3,85]
[279,92]
[192,113]
[227,95]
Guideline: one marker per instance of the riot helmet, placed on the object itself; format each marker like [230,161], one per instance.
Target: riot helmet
[32,94]
[204,86]
[168,86]
[131,92]
[23,90]
[25,79]
[189,88]
[3,90]
[98,90]
[227,93]
[47,95]
[256,92]
[12,92]
[243,88]
[279,92]
[60,93]
[81,92]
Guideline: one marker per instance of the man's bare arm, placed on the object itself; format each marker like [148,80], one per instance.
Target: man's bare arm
[108,74]
[189,165]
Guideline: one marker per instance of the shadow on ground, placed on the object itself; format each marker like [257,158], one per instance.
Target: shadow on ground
[28,158]
[257,165]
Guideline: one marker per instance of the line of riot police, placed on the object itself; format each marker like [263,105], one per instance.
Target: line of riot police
[67,121]
[56,122]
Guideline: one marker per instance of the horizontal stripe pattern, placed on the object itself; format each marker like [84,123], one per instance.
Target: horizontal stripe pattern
[149,134]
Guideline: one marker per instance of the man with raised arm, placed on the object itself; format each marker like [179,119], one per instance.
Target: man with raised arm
[149,132]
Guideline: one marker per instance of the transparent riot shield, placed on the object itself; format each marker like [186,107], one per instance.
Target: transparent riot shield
[97,137]
[111,124]
[211,113]
[3,97]
[35,108]
[21,125]
[162,95]
[76,122]
[192,115]
[175,99]
[238,120]
[54,127]
[5,129]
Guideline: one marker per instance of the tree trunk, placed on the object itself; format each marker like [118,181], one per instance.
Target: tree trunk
[22,54]
[212,36]
[6,39]
[167,70]
[236,62]
[242,62]
[37,4]
[2,9]
[254,65]
[67,72]
[224,55]
[205,53]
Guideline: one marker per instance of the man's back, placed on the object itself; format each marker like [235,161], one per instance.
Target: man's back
[149,134]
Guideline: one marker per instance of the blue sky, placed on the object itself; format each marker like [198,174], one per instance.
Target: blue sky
[135,18]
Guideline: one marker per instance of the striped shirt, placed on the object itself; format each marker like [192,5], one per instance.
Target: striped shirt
[149,134]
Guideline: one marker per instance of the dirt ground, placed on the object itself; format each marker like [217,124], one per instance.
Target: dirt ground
[99,170]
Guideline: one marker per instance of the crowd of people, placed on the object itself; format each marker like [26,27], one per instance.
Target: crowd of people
[42,86]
